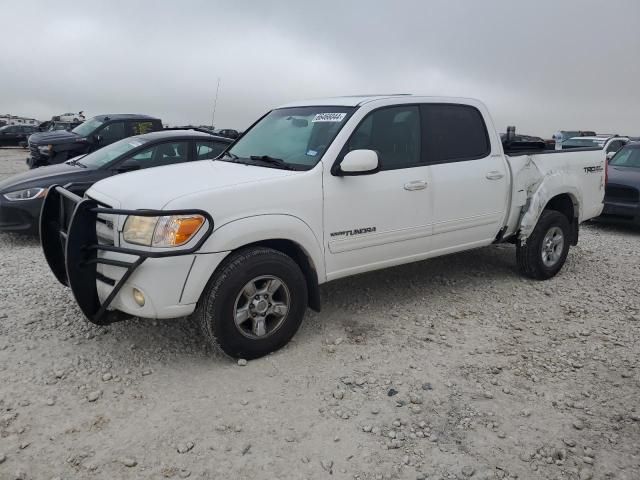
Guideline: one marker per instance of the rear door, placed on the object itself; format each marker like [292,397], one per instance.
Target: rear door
[469,177]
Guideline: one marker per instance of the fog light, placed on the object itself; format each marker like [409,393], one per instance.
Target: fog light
[138,296]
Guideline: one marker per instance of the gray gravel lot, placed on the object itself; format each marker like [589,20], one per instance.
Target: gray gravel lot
[451,368]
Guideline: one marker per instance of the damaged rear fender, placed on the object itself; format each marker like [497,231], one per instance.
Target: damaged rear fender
[540,189]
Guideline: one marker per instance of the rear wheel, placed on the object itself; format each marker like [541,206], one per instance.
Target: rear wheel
[254,303]
[546,249]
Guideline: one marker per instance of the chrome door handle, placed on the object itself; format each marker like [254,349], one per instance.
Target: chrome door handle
[415,185]
[495,175]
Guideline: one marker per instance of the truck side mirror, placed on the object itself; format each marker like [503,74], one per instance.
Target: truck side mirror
[359,162]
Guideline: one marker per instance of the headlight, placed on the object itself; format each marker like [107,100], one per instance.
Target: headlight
[169,231]
[27,194]
[45,149]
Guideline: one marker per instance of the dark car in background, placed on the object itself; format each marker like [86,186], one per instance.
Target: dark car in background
[52,126]
[50,148]
[21,195]
[622,192]
[13,135]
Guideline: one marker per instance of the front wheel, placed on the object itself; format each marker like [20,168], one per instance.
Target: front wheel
[254,303]
[546,249]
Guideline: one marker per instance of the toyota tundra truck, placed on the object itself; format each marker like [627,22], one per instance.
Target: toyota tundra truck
[312,192]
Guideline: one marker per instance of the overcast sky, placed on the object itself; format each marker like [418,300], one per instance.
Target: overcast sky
[543,66]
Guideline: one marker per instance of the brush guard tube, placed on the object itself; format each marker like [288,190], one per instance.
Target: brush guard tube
[70,245]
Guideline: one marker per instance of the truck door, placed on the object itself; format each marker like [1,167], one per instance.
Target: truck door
[111,132]
[379,219]
[469,178]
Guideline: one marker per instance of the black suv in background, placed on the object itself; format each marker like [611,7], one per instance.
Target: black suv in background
[14,134]
[50,148]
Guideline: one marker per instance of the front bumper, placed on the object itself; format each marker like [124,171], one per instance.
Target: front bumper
[19,216]
[36,158]
[102,276]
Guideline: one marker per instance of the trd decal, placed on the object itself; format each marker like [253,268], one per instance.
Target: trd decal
[597,168]
[355,231]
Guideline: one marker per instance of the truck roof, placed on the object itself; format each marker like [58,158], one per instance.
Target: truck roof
[357,100]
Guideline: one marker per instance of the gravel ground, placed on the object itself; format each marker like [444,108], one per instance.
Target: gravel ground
[451,368]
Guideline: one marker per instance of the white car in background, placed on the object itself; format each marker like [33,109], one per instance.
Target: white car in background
[611,144]
[70,117]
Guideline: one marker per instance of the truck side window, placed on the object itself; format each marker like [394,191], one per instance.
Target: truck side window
[453,133]
[394,133]
[140,128]
[208,150]
[112,133]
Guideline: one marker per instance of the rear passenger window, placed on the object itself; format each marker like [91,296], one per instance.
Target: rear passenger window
[209,150]
[140,127]
[394,133]
[453,133]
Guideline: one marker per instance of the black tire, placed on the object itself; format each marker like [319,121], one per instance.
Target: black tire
[530,255]
[215,310]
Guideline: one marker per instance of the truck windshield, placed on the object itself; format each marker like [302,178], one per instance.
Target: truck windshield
[87,128]
[297,136]
[105,155]
[627,157]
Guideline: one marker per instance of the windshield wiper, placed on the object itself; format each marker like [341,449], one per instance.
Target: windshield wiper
[278,162]
[77,162]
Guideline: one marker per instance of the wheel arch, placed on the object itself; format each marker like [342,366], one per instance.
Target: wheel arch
[285,233]
[296,252]
[551,195]
[566,204]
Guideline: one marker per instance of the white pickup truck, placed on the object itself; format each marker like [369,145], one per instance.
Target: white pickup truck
[312,192]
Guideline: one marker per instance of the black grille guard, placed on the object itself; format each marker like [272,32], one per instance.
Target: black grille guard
[70,245]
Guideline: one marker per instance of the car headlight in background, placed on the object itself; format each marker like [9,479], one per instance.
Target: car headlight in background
[27,194]
[169,231]
[46,149]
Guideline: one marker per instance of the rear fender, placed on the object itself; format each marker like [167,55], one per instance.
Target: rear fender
[539,190]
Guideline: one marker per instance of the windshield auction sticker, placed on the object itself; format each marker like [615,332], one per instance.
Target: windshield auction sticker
[329,117]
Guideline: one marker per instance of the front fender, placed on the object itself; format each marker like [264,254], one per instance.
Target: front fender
[245,231]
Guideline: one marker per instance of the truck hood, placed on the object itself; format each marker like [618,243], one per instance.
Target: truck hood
[155,187]
[54,138]
[624,176]
[41,177]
